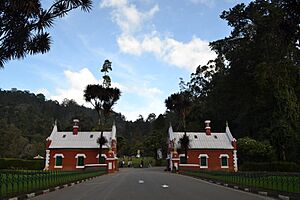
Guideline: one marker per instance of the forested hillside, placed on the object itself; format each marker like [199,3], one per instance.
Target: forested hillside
[27,120]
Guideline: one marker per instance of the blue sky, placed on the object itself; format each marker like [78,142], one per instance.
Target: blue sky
[151,45]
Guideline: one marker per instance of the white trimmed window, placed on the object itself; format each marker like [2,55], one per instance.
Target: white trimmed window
[80,160]
[224,160]
[182,158]
[203,160]
[103,155]
[58,160]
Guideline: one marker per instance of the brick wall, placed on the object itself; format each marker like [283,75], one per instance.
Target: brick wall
[214,161]
[69,161]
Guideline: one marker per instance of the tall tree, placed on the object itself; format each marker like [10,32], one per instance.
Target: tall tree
[23,25]
[180,103]
[255,79]
[102,97]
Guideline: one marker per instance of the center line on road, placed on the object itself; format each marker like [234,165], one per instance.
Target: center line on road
[141,181]
[164,186]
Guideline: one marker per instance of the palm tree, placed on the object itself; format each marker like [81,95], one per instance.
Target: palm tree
[184,142]
[101,141]
[102,97]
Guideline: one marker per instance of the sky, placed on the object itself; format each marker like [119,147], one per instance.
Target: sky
[150,43]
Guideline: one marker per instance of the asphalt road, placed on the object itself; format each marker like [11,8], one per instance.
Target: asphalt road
[146,184]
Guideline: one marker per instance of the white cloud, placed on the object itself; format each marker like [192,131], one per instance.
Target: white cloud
[43,91]
[183,55]
[126,15]
[186,55]
[208,3]
[74,83]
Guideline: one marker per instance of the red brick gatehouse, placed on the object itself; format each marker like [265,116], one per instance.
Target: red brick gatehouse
[77,150]
[207,151]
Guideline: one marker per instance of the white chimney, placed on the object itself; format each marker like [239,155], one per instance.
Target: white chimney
[207,127]
[75,126]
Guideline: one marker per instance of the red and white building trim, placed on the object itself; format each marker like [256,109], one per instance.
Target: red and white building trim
[77,150]
[207,151]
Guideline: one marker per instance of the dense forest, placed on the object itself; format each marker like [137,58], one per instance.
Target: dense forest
[254,84]
[27,120]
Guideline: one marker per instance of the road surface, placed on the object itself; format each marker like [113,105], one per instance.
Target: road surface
[147,184]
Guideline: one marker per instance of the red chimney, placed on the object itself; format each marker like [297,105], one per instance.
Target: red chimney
[207,127]
[75,126]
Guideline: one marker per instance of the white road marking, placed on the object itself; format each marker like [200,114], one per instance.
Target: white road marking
[164,186]
[141,181]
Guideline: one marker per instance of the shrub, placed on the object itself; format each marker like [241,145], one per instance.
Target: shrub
[270,166]
[254,151]
[14,163]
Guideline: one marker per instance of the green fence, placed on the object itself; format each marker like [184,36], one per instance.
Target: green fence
[284,182]
[14,182]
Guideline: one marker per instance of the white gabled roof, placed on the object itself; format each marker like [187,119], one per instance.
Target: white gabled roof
[60,140]
[199,140]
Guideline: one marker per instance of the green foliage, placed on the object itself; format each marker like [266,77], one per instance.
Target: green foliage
[184,142]
[254,151]
[102,97]
[254,83]
[24,23]
[270,166]
[180,103]
[27,120]
[102,140]
[12,163]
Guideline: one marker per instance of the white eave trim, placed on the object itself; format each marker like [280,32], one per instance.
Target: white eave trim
[59,154]
[79,167]
[58,167]
[203,155]
[80,155]
[103,155]
[224,155]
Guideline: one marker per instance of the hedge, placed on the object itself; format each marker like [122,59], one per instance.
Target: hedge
[270,166]
[14,163]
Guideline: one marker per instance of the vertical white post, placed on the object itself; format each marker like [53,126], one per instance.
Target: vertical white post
[47,159]
[235,164]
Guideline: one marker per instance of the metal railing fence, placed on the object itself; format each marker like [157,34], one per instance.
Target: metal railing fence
[16,182]
[284,182]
